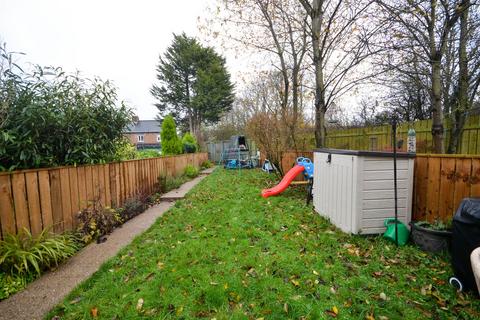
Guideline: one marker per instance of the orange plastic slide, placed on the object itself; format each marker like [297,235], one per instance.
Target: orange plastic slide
[287,179]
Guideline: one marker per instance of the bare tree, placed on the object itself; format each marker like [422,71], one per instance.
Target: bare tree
[466,52]
[340,33]
[422,28]
[279,30]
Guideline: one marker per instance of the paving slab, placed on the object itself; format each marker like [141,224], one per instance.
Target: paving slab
[40,296]
[177,194]
[208,171]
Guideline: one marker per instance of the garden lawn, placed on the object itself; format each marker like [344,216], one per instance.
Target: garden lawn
[226,253]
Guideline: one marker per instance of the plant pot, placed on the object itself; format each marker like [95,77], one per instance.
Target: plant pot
[431,240]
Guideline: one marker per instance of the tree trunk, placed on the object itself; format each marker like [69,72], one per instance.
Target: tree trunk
[320,107]
[459,115]
[437,111]
[190,112]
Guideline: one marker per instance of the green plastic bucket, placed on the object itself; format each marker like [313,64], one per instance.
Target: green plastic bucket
[403,231]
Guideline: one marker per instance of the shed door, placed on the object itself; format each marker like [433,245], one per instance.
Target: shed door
[333,189]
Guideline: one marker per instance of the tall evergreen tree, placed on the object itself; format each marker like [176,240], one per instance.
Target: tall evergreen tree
[171,144]
[194,84]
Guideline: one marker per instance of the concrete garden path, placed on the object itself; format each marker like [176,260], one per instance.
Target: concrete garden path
[40,296]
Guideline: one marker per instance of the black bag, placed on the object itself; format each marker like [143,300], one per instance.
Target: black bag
[465,239]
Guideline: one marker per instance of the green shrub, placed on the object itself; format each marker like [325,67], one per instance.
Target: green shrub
[191,171]
[97,221]
[171,144]
[206,164]
[10,284]
[148,153]
[50,118]
[133,207]
[125,150]
[189,143]
[25,254]
[167,183]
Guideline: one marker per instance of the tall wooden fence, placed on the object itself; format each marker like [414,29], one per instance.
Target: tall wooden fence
[41,198]
[441,182]
[379,137]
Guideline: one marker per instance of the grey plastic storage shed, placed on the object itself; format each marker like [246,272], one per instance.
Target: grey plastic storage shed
[354,189]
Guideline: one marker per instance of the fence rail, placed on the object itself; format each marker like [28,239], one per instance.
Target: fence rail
[51,197]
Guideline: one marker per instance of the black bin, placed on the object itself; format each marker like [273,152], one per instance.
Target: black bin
[465,239]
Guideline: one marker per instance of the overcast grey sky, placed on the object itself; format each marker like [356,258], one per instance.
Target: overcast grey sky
[113,39]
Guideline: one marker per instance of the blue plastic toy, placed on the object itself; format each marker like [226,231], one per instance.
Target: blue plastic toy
[308,165]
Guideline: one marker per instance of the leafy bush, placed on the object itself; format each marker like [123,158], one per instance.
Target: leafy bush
[189,143]
[133,207]
[171,144]
[167,183]
[24,253]
[191,172]
[50,118]
[125,150]
[97,221]
[206,164]
[148,153]
[10,284]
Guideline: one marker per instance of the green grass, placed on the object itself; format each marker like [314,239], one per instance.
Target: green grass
[226,253]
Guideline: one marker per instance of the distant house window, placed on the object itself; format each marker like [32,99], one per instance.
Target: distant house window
[140,138]
[158,138]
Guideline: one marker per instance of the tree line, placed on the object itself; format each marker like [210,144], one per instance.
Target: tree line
[421,55]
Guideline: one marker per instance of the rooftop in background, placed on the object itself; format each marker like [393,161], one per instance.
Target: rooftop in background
[145,126]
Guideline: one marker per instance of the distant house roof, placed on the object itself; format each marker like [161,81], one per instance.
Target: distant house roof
[145,126]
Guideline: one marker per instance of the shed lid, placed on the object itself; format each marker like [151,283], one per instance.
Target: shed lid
[363,153]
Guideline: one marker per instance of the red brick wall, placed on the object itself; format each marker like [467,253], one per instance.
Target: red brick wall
[148,138]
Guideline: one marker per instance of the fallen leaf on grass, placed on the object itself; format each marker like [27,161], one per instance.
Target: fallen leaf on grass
[331,313]
[179,310]
[411,278]
[377,274]
[383,296]
[348,303]
[149,276]
[285,307]
[295,282]
[160,265]
[426,290]
[369,317]
[94,312]
[335,309]
[76,300]
[333,290]
[139,304]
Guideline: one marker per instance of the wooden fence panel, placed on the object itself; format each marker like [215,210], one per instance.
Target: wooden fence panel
[20,201]
[51,198]
[33,197]
[8,212]
[447,187]
[74,194]
[66,200]
[441,182]
[56,195]
[45,198]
